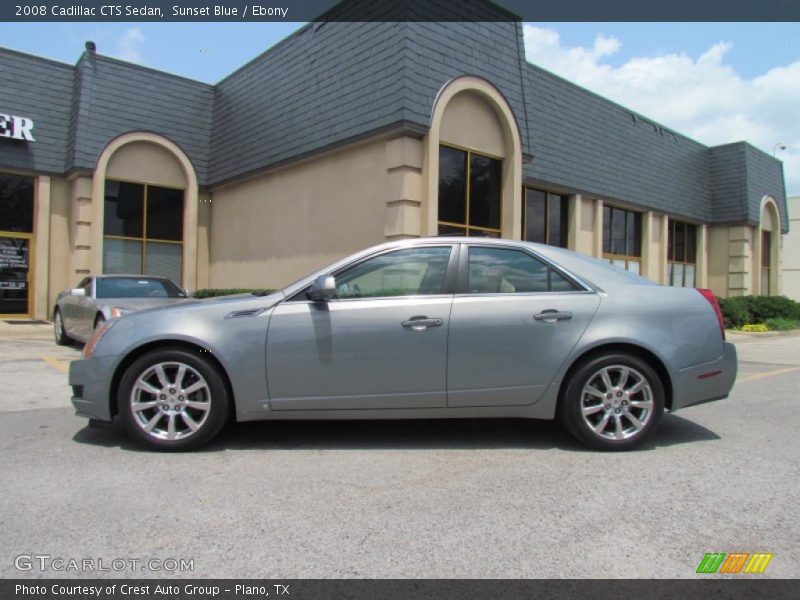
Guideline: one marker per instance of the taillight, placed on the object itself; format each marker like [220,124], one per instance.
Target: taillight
[709,295]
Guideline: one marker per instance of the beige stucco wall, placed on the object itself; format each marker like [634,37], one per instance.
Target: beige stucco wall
[272,229]
[791,251]
[146,162]
[470,122]
[59,276]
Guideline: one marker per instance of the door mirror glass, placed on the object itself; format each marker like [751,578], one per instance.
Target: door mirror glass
[324,287]
[77,292]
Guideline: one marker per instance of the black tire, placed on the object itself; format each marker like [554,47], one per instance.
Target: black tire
[617,408]
[61,337]
[215,393]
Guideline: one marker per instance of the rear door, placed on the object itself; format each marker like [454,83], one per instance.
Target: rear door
[514,321]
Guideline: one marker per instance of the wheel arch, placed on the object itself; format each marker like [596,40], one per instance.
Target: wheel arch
[629,348]
[140,351]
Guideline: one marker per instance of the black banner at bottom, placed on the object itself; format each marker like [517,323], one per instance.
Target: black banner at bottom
[395,589]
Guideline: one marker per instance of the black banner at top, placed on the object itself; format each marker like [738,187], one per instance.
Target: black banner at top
[398,10]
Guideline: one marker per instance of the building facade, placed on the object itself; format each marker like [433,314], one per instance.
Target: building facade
[344,135]
[791,251]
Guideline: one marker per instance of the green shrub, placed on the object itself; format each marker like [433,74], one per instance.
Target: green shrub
[762,308]
[734,312]
[779,324]
[755,328]
[743,310]
[212,292]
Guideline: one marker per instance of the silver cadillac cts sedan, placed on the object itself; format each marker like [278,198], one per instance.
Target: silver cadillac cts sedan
[426,328]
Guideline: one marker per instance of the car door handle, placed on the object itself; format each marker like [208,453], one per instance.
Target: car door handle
[421,323]
[552,316]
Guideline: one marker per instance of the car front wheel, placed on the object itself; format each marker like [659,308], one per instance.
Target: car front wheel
[172,399]
[612,402]
[62,339]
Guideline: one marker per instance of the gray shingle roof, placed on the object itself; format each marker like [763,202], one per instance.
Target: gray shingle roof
[331,82]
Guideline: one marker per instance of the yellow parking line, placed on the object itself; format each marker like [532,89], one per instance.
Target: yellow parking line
[55,363]
[768,374]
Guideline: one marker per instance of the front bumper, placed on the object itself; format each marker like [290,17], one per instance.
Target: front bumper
[706,382]
[91,385]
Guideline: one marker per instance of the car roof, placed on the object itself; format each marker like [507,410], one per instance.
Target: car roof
[131,276]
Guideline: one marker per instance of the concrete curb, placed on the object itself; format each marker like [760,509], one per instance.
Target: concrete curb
[21,330]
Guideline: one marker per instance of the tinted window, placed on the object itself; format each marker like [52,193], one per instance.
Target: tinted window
[484,192]
[137,287]
[498,271]
[164,213]
[415,271]
[452,185]
[535,216]
[16,203]
[124,209]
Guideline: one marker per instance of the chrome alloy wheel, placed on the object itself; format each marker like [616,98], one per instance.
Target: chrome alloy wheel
[170,401]
[58,325]
[617,402]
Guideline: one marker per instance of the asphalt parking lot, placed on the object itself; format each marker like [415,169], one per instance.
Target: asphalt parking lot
[462,499]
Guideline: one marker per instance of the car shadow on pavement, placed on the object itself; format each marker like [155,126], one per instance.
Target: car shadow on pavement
[452,434]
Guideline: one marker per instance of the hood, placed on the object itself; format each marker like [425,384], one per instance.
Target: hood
[221,304]
[132,304]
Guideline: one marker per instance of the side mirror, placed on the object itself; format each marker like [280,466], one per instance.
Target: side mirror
[324,287]
[186,292]
[77,292]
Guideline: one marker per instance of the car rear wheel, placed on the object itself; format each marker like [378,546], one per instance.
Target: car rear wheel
[172,399]
[62,339]
[612,402]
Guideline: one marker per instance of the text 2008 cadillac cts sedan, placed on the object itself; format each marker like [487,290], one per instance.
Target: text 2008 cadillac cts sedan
[428,328]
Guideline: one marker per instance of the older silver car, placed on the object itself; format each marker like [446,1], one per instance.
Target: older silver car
[429,328]
[101,298]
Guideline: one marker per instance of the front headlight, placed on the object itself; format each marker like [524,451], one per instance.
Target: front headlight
[96,336]
[117,312]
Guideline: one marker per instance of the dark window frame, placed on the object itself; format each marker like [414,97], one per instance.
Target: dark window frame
[144,239]
[632,228]
[564,210]
[466,226]
[676,256]
[765,271]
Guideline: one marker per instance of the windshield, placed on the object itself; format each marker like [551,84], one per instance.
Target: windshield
[137,287]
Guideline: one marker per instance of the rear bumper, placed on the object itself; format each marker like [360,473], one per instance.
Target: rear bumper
[706,382]
[90,380]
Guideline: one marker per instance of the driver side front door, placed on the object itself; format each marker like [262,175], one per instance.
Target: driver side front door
[380,343]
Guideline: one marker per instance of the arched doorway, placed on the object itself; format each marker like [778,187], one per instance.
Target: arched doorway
[474,163]
[145,204]
[767,255]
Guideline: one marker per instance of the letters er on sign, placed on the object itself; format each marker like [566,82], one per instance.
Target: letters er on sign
[17,128]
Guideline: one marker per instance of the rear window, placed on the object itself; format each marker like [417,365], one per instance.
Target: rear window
[592,269]
[137,287]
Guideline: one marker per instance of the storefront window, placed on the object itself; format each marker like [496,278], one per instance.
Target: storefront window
[469,193]
[16,229]
[143,229]
[622,238]
[766,261]
[545,218]
[681,254]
